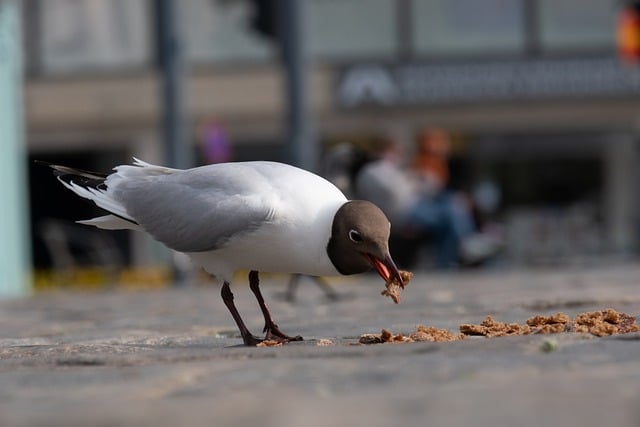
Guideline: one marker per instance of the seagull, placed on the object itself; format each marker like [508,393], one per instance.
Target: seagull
[258,216]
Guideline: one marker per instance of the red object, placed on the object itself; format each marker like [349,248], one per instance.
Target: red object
[628,34]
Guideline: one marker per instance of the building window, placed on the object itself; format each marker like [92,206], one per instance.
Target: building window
[468,27]
[352,29]
[93,35]
[577,25]
[220,31]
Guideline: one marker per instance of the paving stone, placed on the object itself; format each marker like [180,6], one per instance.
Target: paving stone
[173,356]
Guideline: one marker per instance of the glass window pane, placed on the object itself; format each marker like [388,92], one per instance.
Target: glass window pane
[220,30]
[352,28]
[94,34]
[469,27]
[577,24]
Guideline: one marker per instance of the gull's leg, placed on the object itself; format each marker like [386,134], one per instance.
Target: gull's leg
[271,329]
[227,297]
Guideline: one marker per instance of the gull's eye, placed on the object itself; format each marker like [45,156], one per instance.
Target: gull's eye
[354,236]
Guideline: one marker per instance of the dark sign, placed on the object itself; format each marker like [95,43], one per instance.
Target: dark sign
[415,84]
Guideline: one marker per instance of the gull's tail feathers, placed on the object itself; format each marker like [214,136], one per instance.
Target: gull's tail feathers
[94,186]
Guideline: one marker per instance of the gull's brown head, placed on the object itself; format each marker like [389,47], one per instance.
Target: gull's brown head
[360,240]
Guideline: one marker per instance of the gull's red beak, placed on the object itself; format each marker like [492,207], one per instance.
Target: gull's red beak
[386,268]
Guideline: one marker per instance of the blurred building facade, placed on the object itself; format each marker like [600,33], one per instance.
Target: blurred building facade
[539,104]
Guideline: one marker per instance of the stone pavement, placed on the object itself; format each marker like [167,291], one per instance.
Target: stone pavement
[172,357]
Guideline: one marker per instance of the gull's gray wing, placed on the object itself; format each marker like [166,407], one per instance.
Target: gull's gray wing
[198,209]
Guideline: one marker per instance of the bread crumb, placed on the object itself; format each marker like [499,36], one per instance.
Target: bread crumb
[269,343]
[472,329]
[611,316]
[431,334]
[605,322]
[554,328]
[421,334]
[548,320]
[492,328]
[598,323]
[393,287]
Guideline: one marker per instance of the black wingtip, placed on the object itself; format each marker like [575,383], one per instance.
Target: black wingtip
[78,176]
[59,170]
[43,163]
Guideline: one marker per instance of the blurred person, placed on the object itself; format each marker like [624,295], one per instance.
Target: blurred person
[341,163]
[430,164]
[417,204]
[383,181]
[431,160]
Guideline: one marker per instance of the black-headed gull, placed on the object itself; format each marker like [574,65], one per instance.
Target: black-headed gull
[256,216]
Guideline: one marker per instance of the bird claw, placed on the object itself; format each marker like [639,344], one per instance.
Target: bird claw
[274,334]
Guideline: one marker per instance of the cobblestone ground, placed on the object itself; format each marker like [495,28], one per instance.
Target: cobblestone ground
[172,357]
